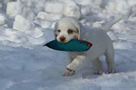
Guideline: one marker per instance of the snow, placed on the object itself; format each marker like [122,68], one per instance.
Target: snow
[22,24]
[54,7]
[47,16]
[26,25]
[71,9]
[2,19]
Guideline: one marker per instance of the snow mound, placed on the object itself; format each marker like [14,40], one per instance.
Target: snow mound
[72,9]
[2,20]
[54,7]
[47,16]
[22,24]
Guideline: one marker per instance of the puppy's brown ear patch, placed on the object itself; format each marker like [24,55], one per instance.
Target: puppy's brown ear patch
[77,31]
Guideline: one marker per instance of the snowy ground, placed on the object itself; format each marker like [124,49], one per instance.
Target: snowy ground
[25,25]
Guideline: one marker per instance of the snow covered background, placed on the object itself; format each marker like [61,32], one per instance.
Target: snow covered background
[25,25]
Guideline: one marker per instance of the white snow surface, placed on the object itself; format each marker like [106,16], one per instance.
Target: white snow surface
[26,25]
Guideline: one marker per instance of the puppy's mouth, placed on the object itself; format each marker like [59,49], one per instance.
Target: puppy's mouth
[66,41]
[63,41]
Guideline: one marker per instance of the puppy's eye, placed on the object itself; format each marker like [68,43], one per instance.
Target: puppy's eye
[59,30]
[70,31]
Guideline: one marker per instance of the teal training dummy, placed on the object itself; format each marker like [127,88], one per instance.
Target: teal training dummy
[72,46]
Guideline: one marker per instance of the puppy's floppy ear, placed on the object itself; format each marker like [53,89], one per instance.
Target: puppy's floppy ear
[55,28]
[78,30]
[77,26]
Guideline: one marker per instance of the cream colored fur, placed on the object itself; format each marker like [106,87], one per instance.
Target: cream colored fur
[102,45]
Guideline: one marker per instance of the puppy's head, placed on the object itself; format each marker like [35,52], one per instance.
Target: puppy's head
[67,29]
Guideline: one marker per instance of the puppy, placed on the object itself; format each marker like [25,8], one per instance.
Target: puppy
[69,28]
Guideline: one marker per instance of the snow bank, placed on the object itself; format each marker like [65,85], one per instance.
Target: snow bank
[71,9]
[48,16]
[120,6]
[54,7]
[68,8]
[13,8]
[22,24]
[2,20]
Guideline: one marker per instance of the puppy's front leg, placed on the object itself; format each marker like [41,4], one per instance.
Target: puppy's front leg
[76,63]
[68,72]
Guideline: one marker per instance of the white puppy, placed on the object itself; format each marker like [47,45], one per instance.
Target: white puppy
[68,28]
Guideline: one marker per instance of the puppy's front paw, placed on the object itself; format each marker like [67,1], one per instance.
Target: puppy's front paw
[68,73]
[71,68]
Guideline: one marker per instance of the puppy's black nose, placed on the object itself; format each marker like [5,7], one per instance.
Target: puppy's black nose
[62,39]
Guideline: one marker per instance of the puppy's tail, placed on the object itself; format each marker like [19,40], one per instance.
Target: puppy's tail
[110,23]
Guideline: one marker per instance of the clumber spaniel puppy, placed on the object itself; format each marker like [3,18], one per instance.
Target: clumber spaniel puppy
[69,28]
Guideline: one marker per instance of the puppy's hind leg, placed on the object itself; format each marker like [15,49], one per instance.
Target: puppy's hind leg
[98,67]
[110,59]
